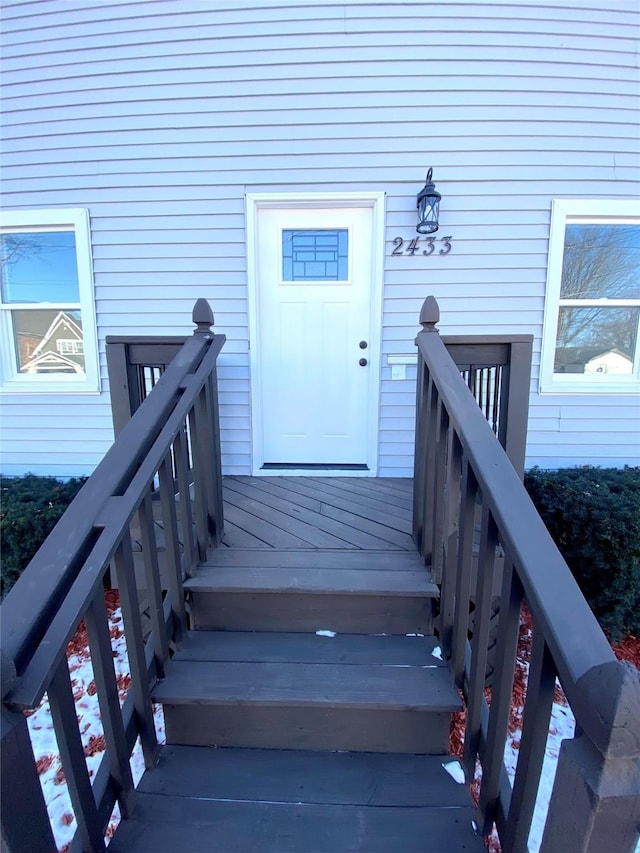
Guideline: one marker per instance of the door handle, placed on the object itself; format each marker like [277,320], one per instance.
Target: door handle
[363,362]
[363,345]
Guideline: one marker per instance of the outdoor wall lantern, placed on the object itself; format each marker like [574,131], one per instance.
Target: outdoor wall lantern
[428,207]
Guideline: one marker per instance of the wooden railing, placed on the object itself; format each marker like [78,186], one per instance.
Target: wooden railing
[497,371]
[460,466]
[168,453]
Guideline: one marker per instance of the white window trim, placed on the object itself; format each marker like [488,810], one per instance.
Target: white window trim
[580,210]
[12,382]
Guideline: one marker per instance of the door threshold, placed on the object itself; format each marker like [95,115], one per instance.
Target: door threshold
[311,466]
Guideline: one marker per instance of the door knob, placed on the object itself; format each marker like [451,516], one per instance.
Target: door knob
[363,362]
[363,344]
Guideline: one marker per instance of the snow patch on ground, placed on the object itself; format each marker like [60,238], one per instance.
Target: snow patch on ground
[45,746]
[454,769]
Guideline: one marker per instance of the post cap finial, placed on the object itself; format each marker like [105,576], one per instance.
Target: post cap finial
[202,316]
[430,314]
[610,704]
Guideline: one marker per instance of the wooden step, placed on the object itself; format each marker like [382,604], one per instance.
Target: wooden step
[282,801]
[305,591]
[384,694]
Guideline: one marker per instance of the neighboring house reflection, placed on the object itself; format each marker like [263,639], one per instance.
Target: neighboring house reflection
[593,360]
[55,347]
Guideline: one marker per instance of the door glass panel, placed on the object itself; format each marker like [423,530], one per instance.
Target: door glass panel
[315,255]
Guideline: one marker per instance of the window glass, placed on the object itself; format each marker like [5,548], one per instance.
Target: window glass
[601,262]
[43,341]
[591,333]
[39,266]
[596,340]
[48,340]
[315,255]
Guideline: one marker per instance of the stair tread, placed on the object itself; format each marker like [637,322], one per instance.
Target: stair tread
[163,822]
[397,687]
[271,646]
[322,581]
[305,776]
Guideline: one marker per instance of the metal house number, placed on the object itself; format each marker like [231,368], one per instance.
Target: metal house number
[417,246]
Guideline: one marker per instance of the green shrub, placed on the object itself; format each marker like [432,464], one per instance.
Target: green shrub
[29,508]
[593,515]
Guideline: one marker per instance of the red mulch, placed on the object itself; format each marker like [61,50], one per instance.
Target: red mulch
[628,649]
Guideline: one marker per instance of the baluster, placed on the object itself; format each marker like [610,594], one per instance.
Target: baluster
[480,638]
[174,567]
[216,460]
[181,456]
[123,559]
[432,415]
[440,506]
[63,713]
[419,463]
[154,584]
[501,690]
[97,623]
[463,572]
[497,374]
[450,529]
[533,742]
[200,496]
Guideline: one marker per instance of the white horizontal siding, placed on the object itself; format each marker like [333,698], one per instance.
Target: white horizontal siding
[160,117]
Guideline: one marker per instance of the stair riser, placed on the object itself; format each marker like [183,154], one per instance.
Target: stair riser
[359,614]
[403,731]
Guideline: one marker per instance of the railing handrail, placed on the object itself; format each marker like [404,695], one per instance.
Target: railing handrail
[460,470]
[551,590]
[32,603]
[112,519]
[167,455]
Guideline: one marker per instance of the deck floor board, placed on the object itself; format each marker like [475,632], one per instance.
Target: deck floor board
[318,513]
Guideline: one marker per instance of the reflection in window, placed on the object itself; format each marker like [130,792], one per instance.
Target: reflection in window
[596,340]
[39,266]
[599,300]
[40,295]
[45,340]
[315,255]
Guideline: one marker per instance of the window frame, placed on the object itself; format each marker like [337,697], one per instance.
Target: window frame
[11,380]
[582,211]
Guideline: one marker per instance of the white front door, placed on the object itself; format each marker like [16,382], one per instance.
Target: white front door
[313,291]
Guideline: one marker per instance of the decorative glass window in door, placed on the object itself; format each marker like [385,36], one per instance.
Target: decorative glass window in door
[321,255]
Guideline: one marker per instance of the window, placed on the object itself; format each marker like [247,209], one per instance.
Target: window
[591,339]
[48,334]
[315,255]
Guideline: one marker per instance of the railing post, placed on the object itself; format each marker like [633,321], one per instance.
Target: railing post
[424,455]
[595,804]
[209,433]
[24,819]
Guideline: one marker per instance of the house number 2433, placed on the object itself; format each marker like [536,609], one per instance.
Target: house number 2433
[417,246]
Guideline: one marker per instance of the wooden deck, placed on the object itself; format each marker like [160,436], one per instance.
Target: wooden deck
[322,742]
[328,513]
